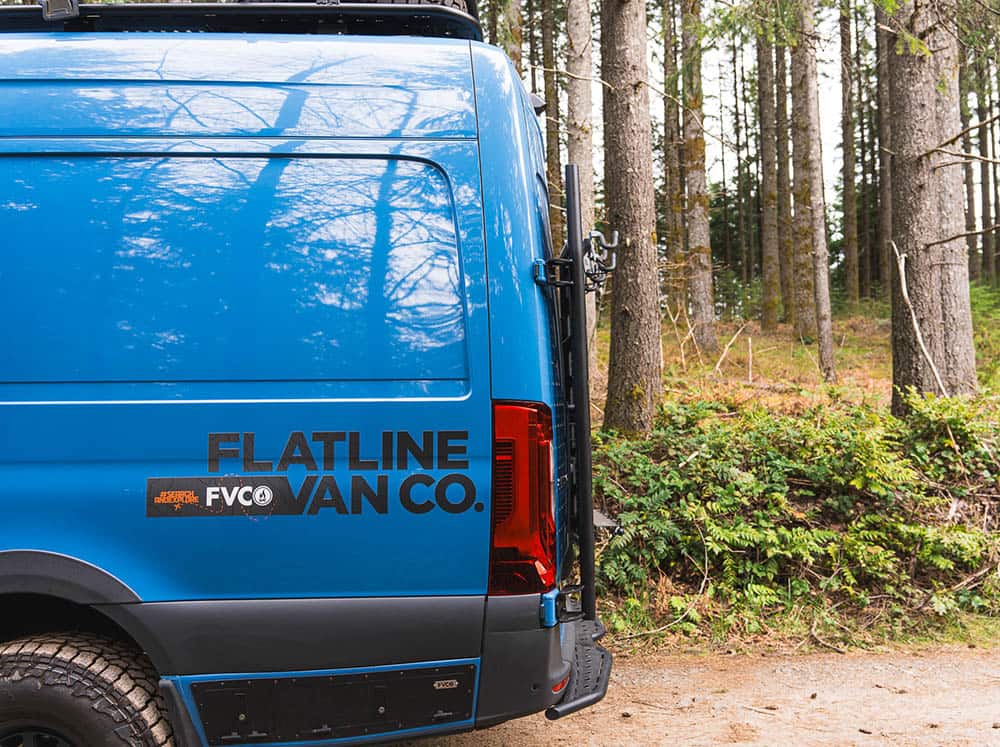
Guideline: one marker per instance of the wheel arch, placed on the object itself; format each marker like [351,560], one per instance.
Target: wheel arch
[61,576]
[52,592]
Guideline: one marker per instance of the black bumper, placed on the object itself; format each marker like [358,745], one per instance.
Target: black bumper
[523,665]
[524,668]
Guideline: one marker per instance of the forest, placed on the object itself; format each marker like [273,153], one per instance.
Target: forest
[797,355]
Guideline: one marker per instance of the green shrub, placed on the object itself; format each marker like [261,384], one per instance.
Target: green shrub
[738,516]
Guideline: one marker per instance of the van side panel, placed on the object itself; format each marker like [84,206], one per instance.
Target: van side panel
[522,361]
[299,308]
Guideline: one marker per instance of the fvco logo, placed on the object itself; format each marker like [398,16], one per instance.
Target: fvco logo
[246,495]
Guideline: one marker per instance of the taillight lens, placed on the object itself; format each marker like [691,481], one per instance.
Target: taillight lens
[523,559]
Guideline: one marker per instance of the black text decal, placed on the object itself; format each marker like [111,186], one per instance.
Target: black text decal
[337,477]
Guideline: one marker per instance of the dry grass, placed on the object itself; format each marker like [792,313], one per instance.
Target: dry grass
[783,375]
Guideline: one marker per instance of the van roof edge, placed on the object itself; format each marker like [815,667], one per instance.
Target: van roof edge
[375,18]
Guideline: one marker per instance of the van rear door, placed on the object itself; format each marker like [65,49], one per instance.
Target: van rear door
[246,352]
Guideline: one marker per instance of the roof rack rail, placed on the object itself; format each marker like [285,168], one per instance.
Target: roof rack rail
[388,17]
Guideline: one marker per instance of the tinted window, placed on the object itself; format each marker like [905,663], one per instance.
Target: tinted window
[188,269]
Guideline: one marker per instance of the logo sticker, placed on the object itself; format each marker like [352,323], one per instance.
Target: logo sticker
[396,470]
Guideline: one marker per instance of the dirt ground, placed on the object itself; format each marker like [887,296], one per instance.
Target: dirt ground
[941,697]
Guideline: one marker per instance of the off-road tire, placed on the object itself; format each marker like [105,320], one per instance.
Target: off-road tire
[93,691]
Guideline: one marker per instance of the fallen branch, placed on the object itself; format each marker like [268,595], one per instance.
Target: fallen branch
[822,642]
[901,263]
[726,351]
[760,710]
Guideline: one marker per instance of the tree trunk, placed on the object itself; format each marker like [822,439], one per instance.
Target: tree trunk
[672,141]
[634,373]
[924,91]
[847,128]
[985,173]
[579,130]
[727,235]
[740,217]
[994,128]
[750,189]
[510,32]
[864,194]
[699,247]
[968,173]
[871,241]
[805,102]
[553,160]
[770,263]
[492,25]
[805,299]
[884,154]
[786,231]
[531,18]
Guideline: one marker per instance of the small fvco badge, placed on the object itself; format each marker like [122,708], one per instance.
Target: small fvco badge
[214,496]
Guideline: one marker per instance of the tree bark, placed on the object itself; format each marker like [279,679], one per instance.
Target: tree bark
[531,19]
[786,230]
[884,154]
[985,174]
[770,263]
[510,32]
[750,177]
[634,374]
[926,226]
[994,128]
[740,217]
[863,192]
[553,160]
[492,24]
[699,247]
[672,144]
[805,102]
[968,173]
[805,299]
[847,128]
[580,131]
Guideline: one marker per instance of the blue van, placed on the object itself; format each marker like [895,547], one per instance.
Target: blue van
[293,395]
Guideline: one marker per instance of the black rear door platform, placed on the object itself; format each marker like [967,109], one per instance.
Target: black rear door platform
[590,674]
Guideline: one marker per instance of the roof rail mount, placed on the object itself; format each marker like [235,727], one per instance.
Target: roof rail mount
[59,10]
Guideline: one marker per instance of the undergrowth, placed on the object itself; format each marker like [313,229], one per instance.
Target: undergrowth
[986,326]
[840,522]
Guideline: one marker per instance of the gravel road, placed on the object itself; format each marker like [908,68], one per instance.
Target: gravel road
[940,697]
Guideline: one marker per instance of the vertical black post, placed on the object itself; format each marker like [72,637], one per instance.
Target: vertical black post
[581,393]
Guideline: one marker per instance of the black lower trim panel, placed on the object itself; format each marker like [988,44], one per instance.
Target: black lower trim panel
[293,709]
[281,635]
[522,661]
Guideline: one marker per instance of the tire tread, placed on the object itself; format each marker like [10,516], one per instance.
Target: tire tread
[116,678]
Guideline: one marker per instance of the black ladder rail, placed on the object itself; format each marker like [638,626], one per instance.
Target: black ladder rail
[580,372]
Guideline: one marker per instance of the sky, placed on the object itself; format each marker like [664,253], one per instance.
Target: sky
[718,87]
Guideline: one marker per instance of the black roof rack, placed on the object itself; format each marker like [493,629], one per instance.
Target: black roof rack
[378,18]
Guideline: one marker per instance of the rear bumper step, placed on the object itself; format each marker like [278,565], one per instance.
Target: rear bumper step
[591,672]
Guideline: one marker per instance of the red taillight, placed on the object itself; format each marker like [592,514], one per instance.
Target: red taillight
[561,684]
[523,559]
